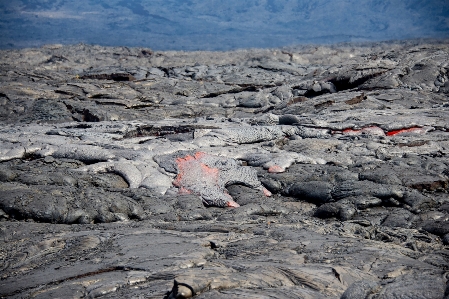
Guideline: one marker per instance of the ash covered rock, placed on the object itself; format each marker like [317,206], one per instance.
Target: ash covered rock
[114,163]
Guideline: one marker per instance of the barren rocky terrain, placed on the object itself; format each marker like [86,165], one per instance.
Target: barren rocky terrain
[301,172]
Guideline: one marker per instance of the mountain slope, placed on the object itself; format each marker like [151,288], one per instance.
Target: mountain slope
[218,25]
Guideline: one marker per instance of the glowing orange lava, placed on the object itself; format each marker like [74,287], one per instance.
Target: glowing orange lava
[276,169]
[189,163]
[196,177]
[409,130]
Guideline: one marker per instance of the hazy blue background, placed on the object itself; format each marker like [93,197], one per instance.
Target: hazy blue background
[217,24]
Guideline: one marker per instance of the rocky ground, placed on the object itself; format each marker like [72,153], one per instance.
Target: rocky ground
[308,172]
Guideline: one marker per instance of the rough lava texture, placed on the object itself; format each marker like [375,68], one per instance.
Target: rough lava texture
[116,163]
[208,175]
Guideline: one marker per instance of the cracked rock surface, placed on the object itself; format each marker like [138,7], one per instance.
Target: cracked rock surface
[302,172]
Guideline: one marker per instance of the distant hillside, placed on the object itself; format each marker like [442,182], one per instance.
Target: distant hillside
[217,24]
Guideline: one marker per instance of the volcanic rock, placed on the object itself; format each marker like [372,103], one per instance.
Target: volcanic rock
[315,172]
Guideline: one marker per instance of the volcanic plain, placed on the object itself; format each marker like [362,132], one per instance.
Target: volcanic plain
[298,172]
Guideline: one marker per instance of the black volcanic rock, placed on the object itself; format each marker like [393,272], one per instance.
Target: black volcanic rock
[336,156]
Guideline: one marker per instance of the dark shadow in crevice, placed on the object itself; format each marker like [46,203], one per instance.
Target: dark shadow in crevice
[150,130]
[112,76]
[311,93]
[344,82]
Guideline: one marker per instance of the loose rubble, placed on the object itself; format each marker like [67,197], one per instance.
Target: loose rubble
[312,172]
